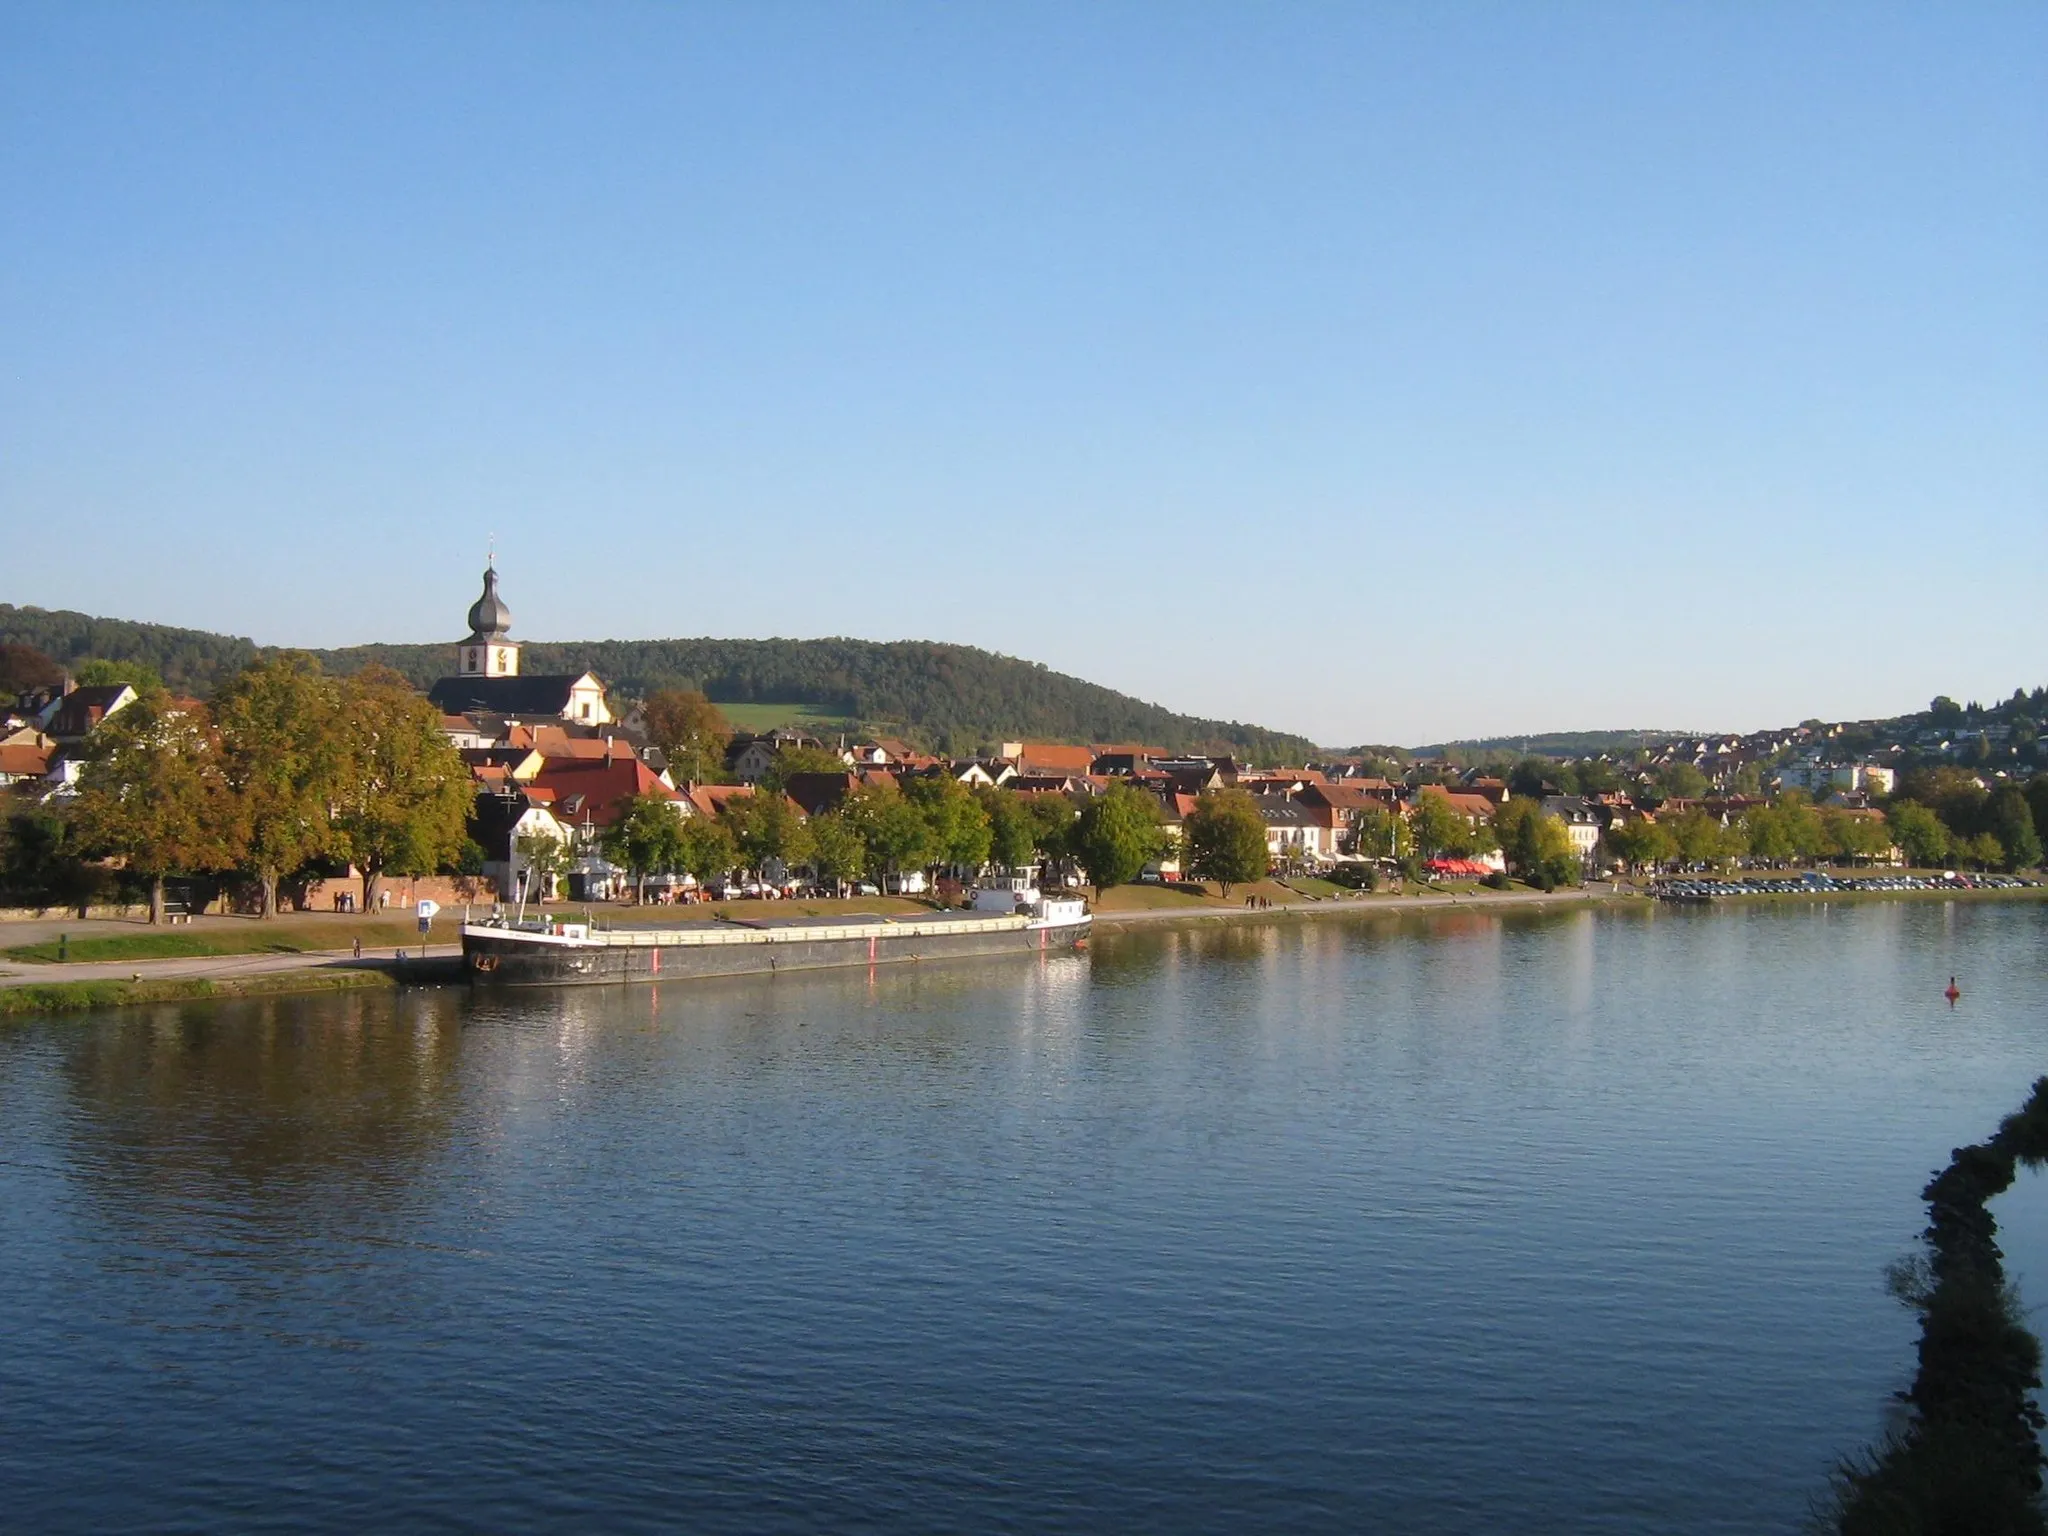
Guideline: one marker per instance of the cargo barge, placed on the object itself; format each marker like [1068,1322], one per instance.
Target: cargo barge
[566,952]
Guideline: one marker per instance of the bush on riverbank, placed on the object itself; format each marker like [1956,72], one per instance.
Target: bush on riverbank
[1968,1459]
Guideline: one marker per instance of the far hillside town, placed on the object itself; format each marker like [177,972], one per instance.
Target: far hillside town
[515,787]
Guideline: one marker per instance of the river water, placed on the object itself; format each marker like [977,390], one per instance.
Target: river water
[1472,1224]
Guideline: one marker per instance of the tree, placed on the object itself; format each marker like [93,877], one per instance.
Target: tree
[543,859]
[1640,842]
[897,835]
[766,827]
[405,792]
[2012,823]
[152,794]
[1117,835]
[44,862]
[98,673]
[1954,794]
[1804,829]
[283,752]
[791,761]
[1225,838]
[2037,801]
[1381,832]
[1536,845]
[23,667]
[705,849]
[1919,834]
[960,830]
[1011,834]
[646,837]
[1698,837]
[1440,829]
[837,852]
[1983,851]
[1052,825]
[1597,776]
[1770,835]
[689,729]
[1853,837]
[1681,781]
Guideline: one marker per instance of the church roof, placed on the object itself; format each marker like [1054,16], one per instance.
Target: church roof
[547,696]
[489,618]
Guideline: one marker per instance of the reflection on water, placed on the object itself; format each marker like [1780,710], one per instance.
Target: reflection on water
[1565,1221]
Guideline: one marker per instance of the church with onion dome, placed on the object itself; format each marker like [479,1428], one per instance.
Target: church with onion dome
[488,681]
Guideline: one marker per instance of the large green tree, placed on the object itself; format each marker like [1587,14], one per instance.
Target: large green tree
[838,853]
[1853,838]
[1919,834]
[1700,838]
[405,791]
[2011,820]
[284,753]
[765,826]
[791,761]
[97,672]
[1640,843]
[45,861]
[690,730]
[960,829]
[1225,838]
[152,794]
[706,849]
[1381,832]
[1441,830]
[646,838]
[1680,781]
[1052,825]
[897,835]
[1116,835]
[1536,845]
[1011,836]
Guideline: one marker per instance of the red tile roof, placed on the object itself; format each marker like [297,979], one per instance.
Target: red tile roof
[1051,758]
[588,792]
[25,760]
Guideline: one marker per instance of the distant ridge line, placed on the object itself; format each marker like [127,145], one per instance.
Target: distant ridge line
[953,697]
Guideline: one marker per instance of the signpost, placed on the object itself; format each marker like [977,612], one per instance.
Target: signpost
[426,911]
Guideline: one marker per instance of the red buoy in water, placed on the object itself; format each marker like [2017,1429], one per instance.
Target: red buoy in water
[1953,992]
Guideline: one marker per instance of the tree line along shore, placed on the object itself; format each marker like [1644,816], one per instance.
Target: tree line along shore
[288,778]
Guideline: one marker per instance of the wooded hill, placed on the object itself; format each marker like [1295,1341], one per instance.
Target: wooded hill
[951,698]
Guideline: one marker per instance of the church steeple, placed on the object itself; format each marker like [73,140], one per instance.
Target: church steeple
[487,652]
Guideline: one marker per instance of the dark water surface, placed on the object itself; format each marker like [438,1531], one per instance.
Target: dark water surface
[1541,1224]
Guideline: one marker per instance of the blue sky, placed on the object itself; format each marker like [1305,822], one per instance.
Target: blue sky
[1383,373]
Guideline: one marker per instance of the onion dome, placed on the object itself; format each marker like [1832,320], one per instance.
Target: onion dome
[489,618]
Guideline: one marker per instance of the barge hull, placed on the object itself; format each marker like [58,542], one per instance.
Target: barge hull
[503,959]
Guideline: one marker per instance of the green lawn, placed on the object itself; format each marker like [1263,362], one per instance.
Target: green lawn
[1310,885]
[283,936]
[769,717]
